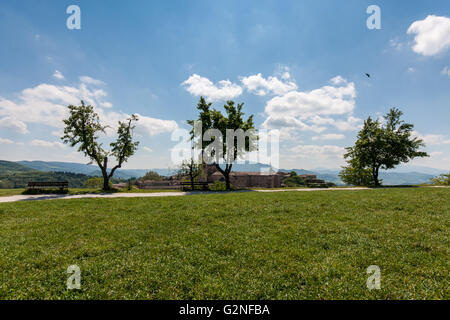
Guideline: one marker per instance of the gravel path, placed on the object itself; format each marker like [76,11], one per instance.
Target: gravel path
[146,195]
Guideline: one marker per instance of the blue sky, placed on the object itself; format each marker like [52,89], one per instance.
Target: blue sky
[297,65]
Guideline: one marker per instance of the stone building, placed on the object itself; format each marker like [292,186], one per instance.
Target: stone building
[247,179]
[158,184]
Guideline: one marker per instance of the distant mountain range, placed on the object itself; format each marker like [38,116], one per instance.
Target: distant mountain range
[15,175]
[403,175]
[90,170]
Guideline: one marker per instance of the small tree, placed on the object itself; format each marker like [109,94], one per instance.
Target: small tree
[443,179]
[232,121]
[95,182]
[384,145]
[151,175]
[190,169]
[294,180]
[83,127]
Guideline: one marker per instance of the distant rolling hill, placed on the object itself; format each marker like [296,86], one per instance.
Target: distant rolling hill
[59,166]
[401,176]
[74,167]
[7,166]
[15,175]
[405,178]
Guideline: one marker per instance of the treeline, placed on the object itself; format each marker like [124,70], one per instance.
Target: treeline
[11,180]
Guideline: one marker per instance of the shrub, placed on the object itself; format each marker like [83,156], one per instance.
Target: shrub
[151,175]
[443,180]
[357,176]
[95,183]
[294,180]
[45,191]
[220,186]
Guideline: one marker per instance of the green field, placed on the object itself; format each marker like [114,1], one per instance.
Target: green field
[287,245]
[74,191]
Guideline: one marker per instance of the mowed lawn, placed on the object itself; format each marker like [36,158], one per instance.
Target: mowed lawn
[287,245]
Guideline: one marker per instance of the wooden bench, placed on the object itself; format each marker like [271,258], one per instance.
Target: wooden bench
[187,185]
[61,185]
[317,185]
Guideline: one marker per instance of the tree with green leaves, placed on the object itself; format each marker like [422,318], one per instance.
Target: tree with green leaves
[443,180]
[94,182]
[151,175]
[294,180]
[383,145]
[356,175]
[82,129]
[191,169]
[224,127]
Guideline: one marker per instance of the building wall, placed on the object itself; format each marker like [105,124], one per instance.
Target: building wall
[249,180]
[244,179]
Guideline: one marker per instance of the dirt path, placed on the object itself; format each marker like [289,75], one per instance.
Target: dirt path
[145,195]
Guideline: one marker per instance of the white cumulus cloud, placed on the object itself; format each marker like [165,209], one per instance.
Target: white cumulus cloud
[201,86]
[349,124]
[58,75]
[432,139]
[329,136]
[152,126]
[432,35]
[305,110]
[47,144]
[338,80]
[14,125]
[89,80]
[6,141]
[47,105]
[446,71]
[318,152]
[261,86]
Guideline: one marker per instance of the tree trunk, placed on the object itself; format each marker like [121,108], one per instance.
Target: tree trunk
[375,171]
[106,183]
[227,180]
[105,175]
[105,180]
[227,176]
[192,182]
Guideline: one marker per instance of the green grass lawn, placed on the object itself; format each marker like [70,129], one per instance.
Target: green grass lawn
[73,191]
[288,245]
[10,192]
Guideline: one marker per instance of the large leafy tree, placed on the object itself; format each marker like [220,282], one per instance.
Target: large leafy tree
[82,129]
[232,120]
[384,145]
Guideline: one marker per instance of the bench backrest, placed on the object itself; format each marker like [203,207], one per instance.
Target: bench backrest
[195,183]
[49,184]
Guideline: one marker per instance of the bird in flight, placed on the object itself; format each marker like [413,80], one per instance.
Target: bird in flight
[368,75]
